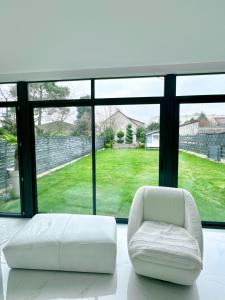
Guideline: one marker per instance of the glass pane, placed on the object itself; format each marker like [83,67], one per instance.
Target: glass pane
[130,157]
[129,87]
[60,90]
[201,85]
[8,92]
[63,159]
[202,157]
[9,165]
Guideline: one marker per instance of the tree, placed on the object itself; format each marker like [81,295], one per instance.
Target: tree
[120,135]
[83,122]
[140,133]
[129,134]
[8,131]
[82,110]
[203,120]
[47,91]
[58,113]
[153,126]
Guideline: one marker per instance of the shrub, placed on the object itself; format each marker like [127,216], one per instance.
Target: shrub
[129,134]
[120,135]
[108,145]
[109,135]
[141,131]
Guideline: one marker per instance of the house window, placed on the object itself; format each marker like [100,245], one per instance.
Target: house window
[129,87]
[8,92]
[59,90]
[201,85]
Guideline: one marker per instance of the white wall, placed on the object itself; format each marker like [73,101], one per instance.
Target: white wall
[83,38]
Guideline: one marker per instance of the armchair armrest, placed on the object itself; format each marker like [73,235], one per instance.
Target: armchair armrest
[136,213]
[192,219]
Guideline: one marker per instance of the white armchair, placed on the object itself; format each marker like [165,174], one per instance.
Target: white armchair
[165,235]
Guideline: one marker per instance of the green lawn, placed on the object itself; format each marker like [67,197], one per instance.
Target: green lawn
[119,174]
[206,181]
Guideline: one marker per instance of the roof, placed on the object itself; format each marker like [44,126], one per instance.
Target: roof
[152,132]
[219,120]
[136,122]
[188,123]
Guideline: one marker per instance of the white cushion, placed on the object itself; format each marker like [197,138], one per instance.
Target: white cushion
[65,242]
[170,252]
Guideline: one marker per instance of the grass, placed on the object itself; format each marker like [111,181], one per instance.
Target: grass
[205,179]
[119,173]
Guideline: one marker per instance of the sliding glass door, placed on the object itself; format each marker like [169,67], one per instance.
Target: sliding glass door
[130,155]
[63,150]
[202,157]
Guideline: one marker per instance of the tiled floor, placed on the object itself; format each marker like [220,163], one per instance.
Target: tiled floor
[124,284]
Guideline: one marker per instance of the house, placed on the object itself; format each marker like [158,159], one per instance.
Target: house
[189,128]
[119,121]
[213,124]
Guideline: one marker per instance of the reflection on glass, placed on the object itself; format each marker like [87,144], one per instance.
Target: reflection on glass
[200,85]
[63,159]
[60,90]
[130,157]
[9,164]
[202,157]
[129,87]
[8,92]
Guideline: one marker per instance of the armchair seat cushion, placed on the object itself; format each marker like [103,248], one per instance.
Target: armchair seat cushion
[166,245]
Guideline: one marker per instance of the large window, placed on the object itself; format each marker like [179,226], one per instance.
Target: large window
[86,146]
[130,155]
[63,148]
[202,157]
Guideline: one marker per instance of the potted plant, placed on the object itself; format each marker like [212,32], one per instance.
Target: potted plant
[11,139]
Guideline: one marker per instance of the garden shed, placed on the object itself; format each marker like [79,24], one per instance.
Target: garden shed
[152,139]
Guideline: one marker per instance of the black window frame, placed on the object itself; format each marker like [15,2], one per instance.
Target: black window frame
[169,134]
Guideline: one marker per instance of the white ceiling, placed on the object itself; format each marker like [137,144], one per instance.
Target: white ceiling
[47,39]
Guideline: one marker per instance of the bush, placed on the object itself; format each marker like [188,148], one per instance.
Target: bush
[109,136]
[120,135]
[141,145]
[108,145]
[141,131]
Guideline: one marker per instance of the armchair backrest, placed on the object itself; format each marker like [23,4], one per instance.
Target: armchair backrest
[164,204]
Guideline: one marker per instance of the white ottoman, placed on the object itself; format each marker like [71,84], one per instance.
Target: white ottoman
[65,242]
